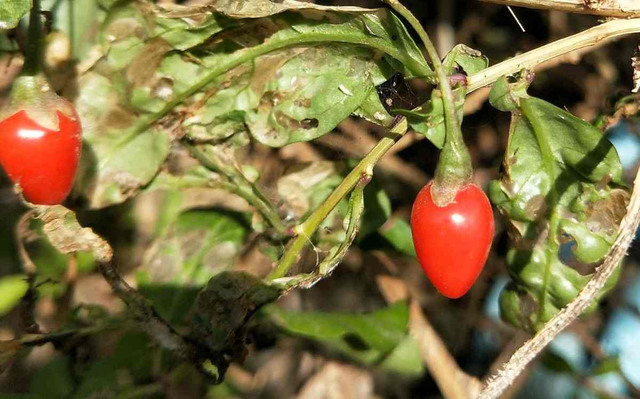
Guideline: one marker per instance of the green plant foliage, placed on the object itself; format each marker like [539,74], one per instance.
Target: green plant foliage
[12,287]
[187,252]
[563,195]
[398,233]
[12,11]
[129,365]
[607,365]
[53,380]
[374,338]
[429,120]
[221,72]
[463,57]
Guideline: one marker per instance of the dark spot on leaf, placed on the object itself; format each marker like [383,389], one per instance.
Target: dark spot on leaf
[309,124]
[143,69]
[119,118]
[394,37]
[303,102]
[355,342]
[605,215]
[536,207]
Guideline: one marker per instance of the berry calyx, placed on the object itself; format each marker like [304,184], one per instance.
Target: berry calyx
[40,141]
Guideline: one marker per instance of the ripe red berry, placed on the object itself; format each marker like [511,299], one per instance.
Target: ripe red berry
[452,242]
[42,161]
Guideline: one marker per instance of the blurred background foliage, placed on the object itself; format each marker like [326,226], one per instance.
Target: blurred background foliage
[174,223]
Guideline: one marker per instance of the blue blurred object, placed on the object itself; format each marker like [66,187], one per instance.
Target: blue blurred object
[626,142]
[621,336]
[492,302]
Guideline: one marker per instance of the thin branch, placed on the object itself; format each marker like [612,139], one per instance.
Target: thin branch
[609,8]
[626,232]
[306,229]
[452,381]
[532,58]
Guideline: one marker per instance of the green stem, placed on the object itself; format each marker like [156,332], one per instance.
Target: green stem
[549,162]
[454,166]
[305,231]
[241,57]
[33,51]
[239,185]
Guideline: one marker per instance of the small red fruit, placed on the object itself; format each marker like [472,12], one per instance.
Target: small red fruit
[453,241]
[41,160]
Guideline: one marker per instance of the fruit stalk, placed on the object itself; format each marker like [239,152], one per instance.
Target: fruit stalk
[454,169]
[33,51]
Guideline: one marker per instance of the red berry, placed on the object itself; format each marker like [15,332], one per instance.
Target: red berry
[40,160]
[452,242]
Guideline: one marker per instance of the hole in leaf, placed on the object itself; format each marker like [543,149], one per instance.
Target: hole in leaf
[355,342]
[309,124]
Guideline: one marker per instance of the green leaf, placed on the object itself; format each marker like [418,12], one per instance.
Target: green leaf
[12,11]
[398,233]
[53,380]
[405,359]
[130,363]
[562,193]
[430,121]
[505,96]
[607,365]
[471,61]
[196,246]
[377,207]
[368,338]
[13,288]
[557,364]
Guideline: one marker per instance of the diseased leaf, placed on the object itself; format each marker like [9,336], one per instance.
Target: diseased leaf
[116,161]
[223,308]
[368,338]
[296,186]
[170,71]
[265,8]
[563,195]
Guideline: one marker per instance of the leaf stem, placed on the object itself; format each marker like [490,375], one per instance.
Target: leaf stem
[305,230]
[239,185]
[454,168]
[33,52]
[549,162]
